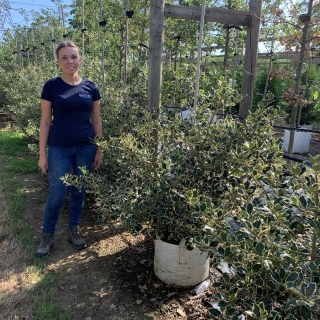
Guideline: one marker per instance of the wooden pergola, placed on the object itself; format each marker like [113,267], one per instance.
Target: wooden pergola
[159,10]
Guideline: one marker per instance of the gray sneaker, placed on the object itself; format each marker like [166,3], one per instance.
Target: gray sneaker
[75,238]
[45,244]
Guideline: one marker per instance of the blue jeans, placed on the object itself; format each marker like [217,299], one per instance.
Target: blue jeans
[60,162]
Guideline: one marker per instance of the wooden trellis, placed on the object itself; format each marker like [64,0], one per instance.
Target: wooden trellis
[159,10]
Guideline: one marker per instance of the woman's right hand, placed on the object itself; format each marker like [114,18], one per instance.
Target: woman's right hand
[43,164]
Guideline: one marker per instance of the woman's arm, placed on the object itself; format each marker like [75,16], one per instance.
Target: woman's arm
[97,128]
[45,124]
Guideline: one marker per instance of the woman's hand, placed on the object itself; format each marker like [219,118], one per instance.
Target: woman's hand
[43,164]
[97,160]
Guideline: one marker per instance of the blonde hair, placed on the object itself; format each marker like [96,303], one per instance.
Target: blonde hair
[65,44]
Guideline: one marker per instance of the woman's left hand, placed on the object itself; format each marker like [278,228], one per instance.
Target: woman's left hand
[97,160]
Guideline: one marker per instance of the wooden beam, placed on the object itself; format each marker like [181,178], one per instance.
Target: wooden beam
[220,15]
[251,58]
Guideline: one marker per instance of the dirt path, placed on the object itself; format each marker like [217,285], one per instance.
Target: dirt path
[90,285]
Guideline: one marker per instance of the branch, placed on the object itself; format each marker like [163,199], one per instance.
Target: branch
[293,25]
[313,38]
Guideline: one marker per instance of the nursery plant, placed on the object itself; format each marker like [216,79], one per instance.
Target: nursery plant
[226,190]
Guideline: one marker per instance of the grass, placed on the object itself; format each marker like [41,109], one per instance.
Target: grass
[27,290]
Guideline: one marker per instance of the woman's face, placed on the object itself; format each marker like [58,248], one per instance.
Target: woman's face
[69,60]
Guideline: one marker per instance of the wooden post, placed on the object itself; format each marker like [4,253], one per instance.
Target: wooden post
[226,47]
[155,54]
[155,72]
[251,58]
[196,89]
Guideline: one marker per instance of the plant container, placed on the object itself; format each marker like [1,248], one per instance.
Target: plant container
[301,142]
[177,266]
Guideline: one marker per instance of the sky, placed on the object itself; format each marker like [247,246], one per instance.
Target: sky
[28,5]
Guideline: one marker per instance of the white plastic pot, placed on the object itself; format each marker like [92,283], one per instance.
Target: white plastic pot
[301,142]
[177,266]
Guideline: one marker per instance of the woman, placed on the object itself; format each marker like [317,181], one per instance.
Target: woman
[70,119]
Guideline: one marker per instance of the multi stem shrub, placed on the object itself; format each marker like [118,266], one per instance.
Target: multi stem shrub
[226,189]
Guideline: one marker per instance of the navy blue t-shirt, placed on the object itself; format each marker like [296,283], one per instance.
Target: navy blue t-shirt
[71,109]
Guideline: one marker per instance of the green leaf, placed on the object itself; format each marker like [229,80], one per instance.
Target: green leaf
[223,303]
[272,285]
[259,248]
[282,273]
[256,267]
[214,243]
[292,277]
[313,266]
[230,311]
[290,284]
[257,224]
[203,207]
[256,311]
[289,304]
[310,289]
[227,252]
[303,201]
[305,313]
[315,95]
[217,284]
[224,236]
[275,276]
[249,208]
[214,312]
